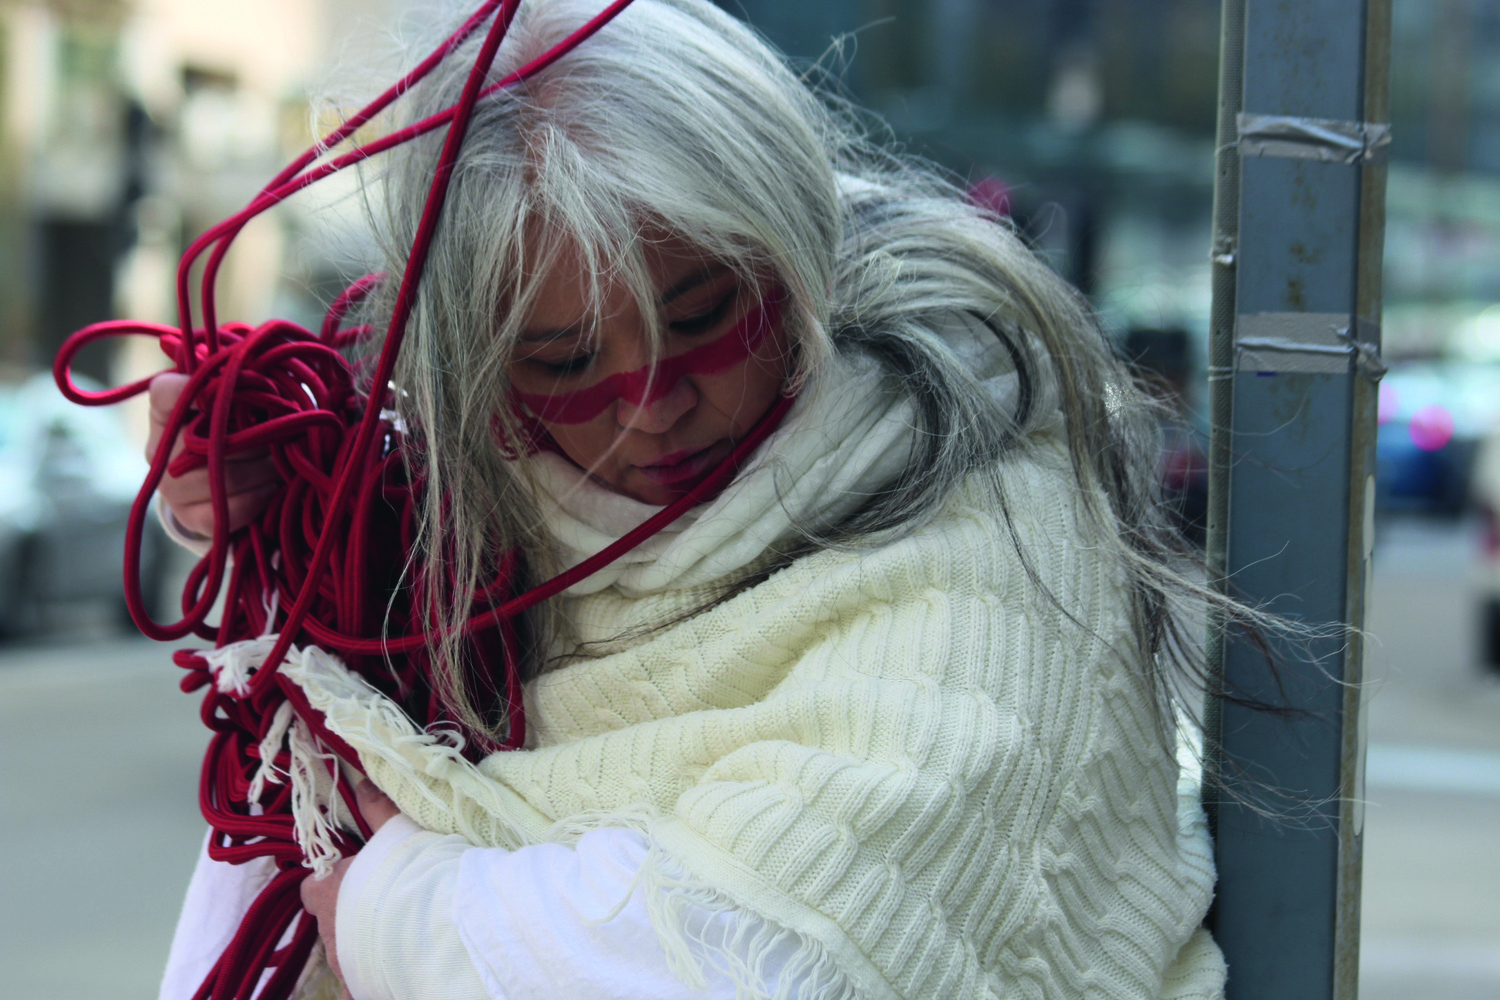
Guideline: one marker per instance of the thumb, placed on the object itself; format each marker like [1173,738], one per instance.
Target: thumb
[166,390]
[376,807]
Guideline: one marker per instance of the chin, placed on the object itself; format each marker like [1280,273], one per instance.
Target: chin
[656,494]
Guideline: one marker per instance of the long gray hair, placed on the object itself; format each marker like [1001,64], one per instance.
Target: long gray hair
[676,117]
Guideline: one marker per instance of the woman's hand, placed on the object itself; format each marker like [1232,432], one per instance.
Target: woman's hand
[250,479]
[320,897]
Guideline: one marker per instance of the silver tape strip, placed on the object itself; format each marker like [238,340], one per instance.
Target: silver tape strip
[1225,251]
[1306,343]
[1326,139]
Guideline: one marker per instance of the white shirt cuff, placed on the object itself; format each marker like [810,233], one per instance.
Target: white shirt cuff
[394,926]
[195,543]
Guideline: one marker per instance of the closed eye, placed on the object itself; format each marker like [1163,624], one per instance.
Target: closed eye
[707,320]
[569,366]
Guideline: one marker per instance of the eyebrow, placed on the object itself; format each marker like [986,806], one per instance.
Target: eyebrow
[556,333]
[695,280]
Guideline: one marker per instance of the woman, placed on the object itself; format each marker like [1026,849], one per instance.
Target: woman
[886,716]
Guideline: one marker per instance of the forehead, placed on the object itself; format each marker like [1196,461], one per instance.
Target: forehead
[567,282]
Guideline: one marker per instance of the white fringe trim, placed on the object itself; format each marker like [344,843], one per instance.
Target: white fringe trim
[702,929]
[318,811]
[705,931]
[414,764]
[233,665]
[281,724]
[317,808]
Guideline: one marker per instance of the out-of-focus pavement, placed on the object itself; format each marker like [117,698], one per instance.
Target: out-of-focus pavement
[1431,928]
[99,817]
[99,823]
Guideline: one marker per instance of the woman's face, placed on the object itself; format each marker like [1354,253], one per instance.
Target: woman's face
[658,448]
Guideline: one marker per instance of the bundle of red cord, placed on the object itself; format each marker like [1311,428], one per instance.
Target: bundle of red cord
[321,564]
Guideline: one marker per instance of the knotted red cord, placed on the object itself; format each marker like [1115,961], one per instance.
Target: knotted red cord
[322,563]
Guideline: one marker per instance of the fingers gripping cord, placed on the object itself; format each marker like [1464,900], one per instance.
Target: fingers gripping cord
[321,564]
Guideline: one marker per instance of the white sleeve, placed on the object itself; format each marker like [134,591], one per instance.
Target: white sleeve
[427,917]
[217,898]
[393,929]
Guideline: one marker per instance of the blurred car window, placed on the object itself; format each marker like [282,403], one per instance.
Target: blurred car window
[68,477]
[1433,415]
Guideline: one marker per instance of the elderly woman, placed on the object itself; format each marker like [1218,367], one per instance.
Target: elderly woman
[886,716]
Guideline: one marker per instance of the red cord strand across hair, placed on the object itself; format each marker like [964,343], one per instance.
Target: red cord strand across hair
[321,565]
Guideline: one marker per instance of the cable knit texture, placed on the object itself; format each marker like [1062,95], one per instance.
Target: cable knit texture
[946,783]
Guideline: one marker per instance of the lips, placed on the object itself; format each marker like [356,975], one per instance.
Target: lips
[679,466]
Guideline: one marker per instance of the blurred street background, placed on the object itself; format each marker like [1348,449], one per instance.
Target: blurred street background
[130,126]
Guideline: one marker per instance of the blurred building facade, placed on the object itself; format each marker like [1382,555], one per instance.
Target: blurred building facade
[131,125]
[1443,245]
[1098,115]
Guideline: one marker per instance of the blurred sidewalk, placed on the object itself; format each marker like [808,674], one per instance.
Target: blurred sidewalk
[1431,928]
[99,820]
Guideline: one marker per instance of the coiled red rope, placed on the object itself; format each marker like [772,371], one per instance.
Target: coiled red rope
[321,564]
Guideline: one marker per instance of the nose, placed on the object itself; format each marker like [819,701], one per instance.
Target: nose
[657,415]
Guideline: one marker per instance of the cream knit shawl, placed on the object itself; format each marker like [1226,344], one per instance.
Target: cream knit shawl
[938,781]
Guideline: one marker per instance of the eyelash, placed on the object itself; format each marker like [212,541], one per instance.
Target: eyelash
[706,320]
[571,366]
[691,325]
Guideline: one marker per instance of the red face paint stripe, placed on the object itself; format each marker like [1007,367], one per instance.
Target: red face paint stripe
[651,383]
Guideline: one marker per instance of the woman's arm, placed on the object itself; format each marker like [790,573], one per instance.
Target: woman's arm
[419,915]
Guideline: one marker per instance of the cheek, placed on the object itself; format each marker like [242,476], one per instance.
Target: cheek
[747,391]
[737,399]
[587,444]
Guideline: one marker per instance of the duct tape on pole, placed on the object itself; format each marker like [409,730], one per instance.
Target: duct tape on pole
[1295,362]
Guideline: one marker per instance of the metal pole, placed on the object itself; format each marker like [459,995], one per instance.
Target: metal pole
[1294,356]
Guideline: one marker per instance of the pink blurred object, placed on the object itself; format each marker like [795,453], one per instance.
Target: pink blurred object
[1431,428]
[992,194]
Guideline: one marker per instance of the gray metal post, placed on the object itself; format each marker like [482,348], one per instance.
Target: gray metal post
[1294,358]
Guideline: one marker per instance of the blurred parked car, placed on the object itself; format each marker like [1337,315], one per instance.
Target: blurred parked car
[1433,414]
[68,475]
